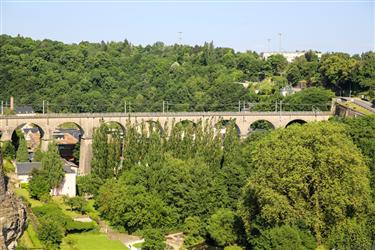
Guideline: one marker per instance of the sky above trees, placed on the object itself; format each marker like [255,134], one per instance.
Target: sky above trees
[346,26]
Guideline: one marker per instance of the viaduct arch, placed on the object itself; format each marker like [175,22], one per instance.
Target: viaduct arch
[48,123]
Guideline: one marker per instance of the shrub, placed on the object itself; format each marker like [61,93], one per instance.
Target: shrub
[284,237]
[221,227]
[233,248]
[78,226]
[50,232]
[154,240]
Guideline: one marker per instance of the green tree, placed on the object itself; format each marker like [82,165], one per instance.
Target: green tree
[193,229]
[350,234]
[278,63]
[8,150]
[309,99]
[285,237]
[99,164]
[221,227]
[311,174]
[362,132]
[38,155]
[38,185]
[154,240]
[22,152]
[52,166]
[50,232]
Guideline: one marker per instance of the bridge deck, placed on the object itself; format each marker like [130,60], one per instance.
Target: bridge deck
[166,114]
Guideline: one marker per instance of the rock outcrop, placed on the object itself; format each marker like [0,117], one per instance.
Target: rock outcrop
[12,214]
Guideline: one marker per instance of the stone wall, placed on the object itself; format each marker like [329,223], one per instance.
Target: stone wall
[12,214]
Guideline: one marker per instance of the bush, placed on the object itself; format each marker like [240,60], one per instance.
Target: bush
[8,150]
[38,185]
[50,232]
[284,237]
[78,226]
[25,186]
[154,240]
[221,227]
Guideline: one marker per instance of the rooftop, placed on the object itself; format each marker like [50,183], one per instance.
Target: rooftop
[25,168]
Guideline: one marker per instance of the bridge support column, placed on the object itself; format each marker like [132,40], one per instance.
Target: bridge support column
[85,156]
[45,144]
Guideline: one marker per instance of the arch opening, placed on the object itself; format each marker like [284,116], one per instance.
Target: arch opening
[296,121]
[261,126]
[26,139]
[223,125]
[68,139]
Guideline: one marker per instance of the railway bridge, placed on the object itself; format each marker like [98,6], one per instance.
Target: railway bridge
[87,122]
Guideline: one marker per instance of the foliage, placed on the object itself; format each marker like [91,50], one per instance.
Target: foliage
[50,232]
[77,203]
[284,237]
[318,178]
[193,229]
[38,185]
[221,227]
[52,166]
[88,184]
[350,234]
[309,99]
[22,152]
[38,155]
[362,132]
[154,240]
[78,226]
[8,150]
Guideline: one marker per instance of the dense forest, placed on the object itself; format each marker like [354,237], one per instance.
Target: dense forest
[312,184]
[96,77]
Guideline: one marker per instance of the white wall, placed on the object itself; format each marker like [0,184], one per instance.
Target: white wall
[67,186]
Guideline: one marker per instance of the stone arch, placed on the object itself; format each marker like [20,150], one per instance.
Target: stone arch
[261,125]
[156,125]
[113,125]
[223,124]
[185,123]
[68,137]
[296,121]
[33,134]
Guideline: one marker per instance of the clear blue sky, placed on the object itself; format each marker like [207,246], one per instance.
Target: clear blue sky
[324,26]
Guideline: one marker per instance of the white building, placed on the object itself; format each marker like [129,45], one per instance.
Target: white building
[67,186]
[289,55]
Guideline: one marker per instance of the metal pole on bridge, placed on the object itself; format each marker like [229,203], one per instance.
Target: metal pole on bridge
[43,107]
[239,106]
[2,107]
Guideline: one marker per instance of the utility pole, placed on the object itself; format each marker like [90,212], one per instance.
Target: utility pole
[276,106]
[179,37]
[280,48]
[239,106]
[268,45]
[125,107]
[43,108]
[281,107]
[163,106]
[2,107]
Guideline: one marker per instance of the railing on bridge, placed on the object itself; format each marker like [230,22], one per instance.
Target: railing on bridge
[169,114]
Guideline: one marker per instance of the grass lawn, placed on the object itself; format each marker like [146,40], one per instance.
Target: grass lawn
[25,194]
[91,241]
[66,210]
[356,107]
[29,238]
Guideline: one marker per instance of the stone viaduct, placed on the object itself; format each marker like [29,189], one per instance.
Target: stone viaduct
[48,123]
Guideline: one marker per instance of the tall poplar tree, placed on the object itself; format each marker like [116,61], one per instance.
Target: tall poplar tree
[99,164]
[52,166]
[22,153]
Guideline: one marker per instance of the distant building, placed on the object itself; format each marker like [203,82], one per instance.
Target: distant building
[67,186]
[24,111]
[289,55]
[289,90]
